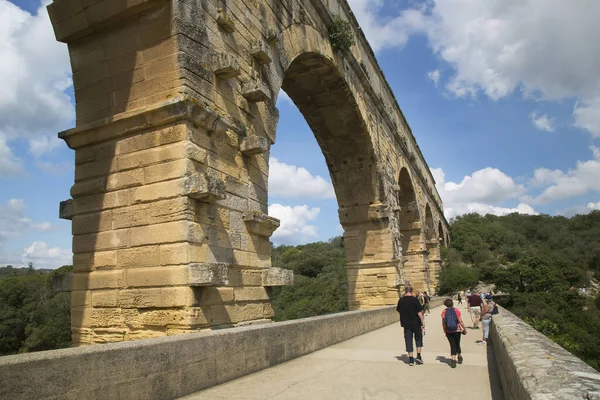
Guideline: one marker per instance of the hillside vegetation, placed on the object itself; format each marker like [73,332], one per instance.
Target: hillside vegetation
[32,316]
[540,263]
[319,280]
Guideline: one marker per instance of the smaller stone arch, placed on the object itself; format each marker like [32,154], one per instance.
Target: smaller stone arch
[432,244]
[414,253]
[442,235]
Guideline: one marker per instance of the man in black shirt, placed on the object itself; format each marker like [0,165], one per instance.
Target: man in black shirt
[411,319]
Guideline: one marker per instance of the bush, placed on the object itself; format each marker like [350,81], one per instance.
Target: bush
[341,35]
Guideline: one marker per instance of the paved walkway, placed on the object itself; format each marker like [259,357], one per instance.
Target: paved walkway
[374,366]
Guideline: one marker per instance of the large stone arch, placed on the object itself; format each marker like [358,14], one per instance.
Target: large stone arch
[175,106]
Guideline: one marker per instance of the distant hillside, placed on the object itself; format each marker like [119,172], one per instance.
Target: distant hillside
[547,266]
[32,316]
[319,280]
[9,271]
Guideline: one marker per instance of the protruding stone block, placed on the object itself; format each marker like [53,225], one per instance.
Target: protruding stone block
[260,223]
[255,92]
[224,21]
[225,66]
[195,152]
[210,274]
[260,51]
[253,144]
[204,187]
[277,277]
[62,283]
[66,210]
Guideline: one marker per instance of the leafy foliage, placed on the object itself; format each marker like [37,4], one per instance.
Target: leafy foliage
[319,282]
[341,35]
[539,262]
[32,316]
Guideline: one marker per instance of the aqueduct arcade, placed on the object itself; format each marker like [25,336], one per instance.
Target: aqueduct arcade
[175,105]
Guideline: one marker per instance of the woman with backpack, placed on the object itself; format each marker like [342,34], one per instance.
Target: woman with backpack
[454,328]
[486,319]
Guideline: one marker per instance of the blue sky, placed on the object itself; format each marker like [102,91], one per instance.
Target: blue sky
[503,97]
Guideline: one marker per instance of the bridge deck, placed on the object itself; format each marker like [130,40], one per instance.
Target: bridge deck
[374,366]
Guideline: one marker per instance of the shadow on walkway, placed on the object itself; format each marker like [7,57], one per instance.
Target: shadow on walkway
[495,383]
[443,359]
[404,358]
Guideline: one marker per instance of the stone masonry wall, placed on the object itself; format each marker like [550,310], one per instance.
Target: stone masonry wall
[170,367]
[532,367]
[175,104]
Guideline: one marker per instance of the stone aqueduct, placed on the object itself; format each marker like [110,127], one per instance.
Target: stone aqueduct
[175,104]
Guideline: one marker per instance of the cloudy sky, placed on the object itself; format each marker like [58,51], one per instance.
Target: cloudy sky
[503,97]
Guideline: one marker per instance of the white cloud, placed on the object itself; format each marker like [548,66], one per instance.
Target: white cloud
[292,181]
[488,185]
[587,116]
[479,192]
[13,221]
[542,122]
[540,48]
[484,209]
[43,256]
[575,182]
[388,32]
[34,71]
[9,164]
[41,145]
[295,227]
[571,211]
[594,206]
[434,76]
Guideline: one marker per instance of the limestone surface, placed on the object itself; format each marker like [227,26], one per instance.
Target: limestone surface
[175,117]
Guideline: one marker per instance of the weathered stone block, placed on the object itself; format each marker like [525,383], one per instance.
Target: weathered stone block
[277,277]
[224,21]
[250,293]
[260,223]
[204,187]
[255,91]
[253,144]
[260,51]
[214,296]
[209,274]
[225,66]
[66,210]
[194,152]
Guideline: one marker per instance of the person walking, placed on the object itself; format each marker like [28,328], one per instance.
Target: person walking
[474,301]
[426,300]
[459,299]
[486,319]
[454,328]
[413,322]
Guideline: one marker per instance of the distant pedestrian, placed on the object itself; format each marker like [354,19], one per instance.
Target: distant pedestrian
[486,319]
[413,322]
[454,328]
[426,300]
[459,299]
[475,303]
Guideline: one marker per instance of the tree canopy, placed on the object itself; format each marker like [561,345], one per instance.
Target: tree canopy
[539,262]
[32,317]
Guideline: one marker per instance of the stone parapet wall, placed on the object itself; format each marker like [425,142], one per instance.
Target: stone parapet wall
[531,366]
[170,367]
